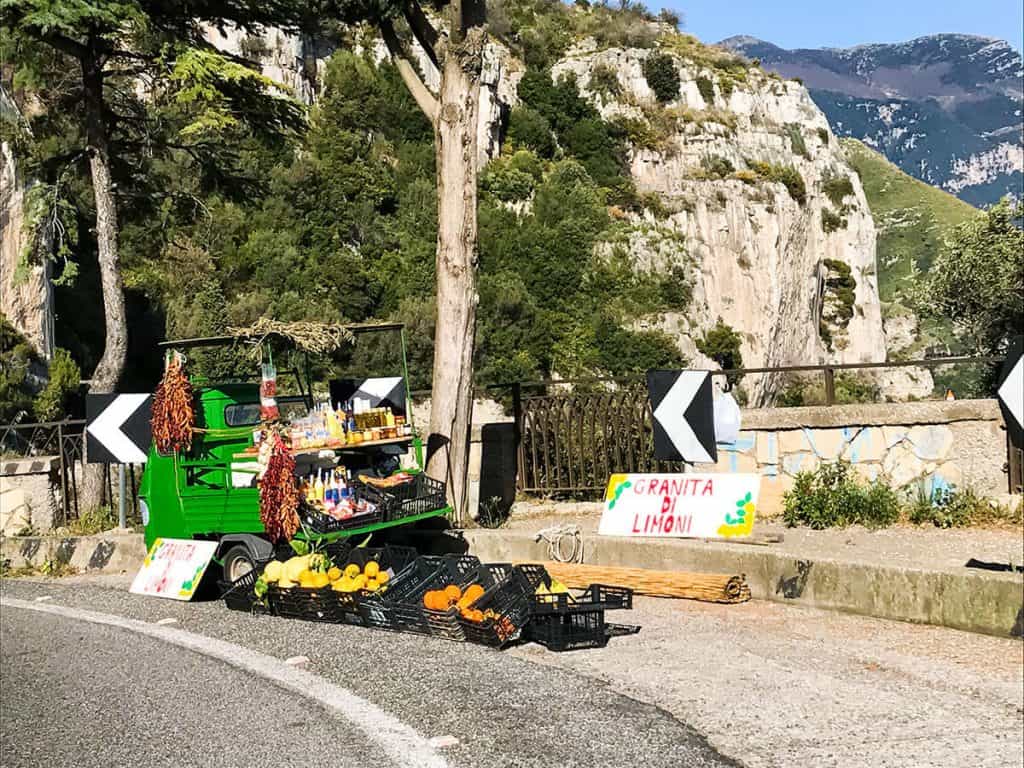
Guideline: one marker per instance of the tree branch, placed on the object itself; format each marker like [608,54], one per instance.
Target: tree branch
[66,45]
[422,30]
[424,98]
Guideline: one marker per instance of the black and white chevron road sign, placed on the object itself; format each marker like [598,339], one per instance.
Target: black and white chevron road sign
[1011,391]
[117,428]
[684,416]
[383,392]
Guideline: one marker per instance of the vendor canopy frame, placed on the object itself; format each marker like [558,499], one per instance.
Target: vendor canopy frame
[355,329]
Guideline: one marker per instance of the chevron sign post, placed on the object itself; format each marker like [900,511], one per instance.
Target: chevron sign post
[1011,392]
[117,428]
[684,416]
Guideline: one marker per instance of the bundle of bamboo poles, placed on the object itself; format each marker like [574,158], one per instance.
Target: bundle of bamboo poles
[708,587]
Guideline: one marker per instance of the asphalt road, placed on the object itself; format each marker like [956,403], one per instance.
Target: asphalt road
[80,693]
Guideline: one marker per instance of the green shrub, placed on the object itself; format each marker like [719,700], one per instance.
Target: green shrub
[716,166]
[662,76]
[605,82]
[831,496]
[675,289]
[958,508]
[837,189]
[843,285]
[506,184]
[726,85]
[52,402]
[16,358]
[530,129]
[706,89]
[831,221]
[722,344]
[786,175]
[796,140]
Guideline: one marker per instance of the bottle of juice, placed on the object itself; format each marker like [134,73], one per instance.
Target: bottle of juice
[318,489]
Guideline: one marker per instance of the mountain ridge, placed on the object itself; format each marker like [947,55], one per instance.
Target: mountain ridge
[945,108]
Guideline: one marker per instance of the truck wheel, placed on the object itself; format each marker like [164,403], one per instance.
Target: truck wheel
[237,562]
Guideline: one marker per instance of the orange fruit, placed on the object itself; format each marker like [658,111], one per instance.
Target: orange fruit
[473,593]
[453,593]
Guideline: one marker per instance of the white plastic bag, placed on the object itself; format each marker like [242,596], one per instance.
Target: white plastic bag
[727,419]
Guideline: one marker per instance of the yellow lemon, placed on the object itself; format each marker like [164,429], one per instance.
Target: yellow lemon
[383,577]
[351,570]
[372,584]
[371,570]
[360,581]
[320,580]
[333,574]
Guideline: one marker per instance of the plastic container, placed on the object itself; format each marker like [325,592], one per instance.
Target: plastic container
[404,599]
[350,605]
[420,495]
[595,596]
[306,604]
[584,628]
[239,595]
[508,600]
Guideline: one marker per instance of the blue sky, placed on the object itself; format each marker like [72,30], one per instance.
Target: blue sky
[816,24]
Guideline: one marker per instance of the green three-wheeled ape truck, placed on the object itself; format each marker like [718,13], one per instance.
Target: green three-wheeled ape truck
[210,491]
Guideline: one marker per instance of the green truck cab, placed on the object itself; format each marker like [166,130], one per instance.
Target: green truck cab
[210,492]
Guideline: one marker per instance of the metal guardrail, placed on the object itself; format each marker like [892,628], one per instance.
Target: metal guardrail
[65,440]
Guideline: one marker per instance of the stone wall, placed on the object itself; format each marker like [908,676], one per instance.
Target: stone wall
[932,444]
[29,494]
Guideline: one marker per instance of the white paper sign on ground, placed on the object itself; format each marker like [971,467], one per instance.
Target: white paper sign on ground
[173,568]
[702,506]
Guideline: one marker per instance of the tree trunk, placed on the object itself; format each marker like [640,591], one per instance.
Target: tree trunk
[452,400]
[108,371]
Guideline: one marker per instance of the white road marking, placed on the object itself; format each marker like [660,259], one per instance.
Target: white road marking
[296,661]
[44,598]
[443,741]
[165,622]
[399,741]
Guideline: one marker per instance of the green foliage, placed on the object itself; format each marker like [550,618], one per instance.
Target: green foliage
[717,167]
[786,175]
[528,128]
[831,496]
[64,379]
[722,344]
[796,140]
[605,82]
[842,284]
[977,280]
[93,521]
[849,389]
[960,507]
[16,360]
[831,221]
[706,89]
[837,189]
[662,76]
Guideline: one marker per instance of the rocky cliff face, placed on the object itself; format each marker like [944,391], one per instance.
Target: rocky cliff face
[944,108]
[26,298]
[768,264]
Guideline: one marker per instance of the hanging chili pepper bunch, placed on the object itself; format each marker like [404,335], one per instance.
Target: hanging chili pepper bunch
[173,415]
[279,494]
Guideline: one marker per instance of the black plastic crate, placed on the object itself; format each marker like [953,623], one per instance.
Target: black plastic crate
[239,595]
[595,596]
[318,522]
[568,631]
[307,604]
[536,574]
[420,495]
[391,558]
[509,600]
[405,598]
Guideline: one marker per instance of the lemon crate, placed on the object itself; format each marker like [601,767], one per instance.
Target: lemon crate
[303,603]
[420,495]
[354,607]
[509,599]
[404,600]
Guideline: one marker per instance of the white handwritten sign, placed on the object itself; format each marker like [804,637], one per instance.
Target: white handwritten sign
[703,506]
[173,568]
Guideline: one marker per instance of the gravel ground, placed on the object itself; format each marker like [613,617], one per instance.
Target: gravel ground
[776,685]
[504,710]
[88,695]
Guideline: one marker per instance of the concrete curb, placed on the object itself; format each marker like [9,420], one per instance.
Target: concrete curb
[987,602]
[110,552]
